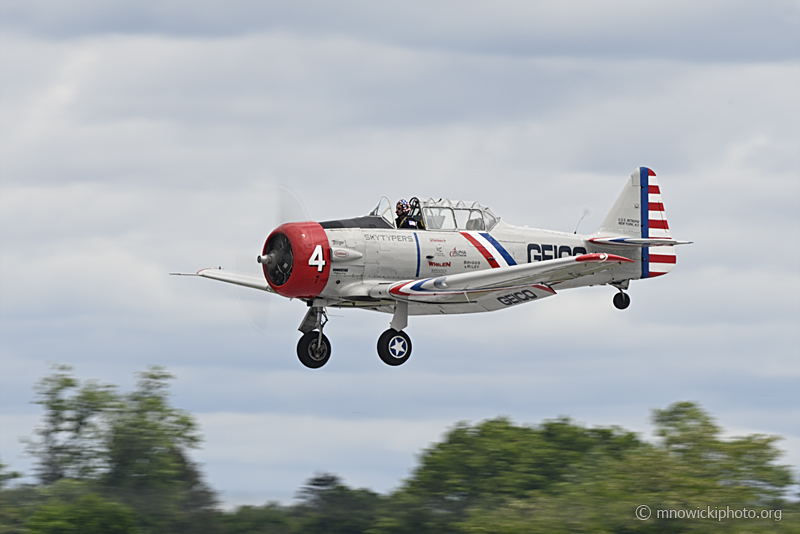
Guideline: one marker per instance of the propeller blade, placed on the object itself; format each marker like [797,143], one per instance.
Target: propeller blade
[290,207]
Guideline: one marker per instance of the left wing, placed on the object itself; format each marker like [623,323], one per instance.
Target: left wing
[467,287]
[232,277]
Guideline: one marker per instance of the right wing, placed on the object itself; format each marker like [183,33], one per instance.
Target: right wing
[638,242]
[232,277]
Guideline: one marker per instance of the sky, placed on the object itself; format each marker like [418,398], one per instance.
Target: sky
[140,138]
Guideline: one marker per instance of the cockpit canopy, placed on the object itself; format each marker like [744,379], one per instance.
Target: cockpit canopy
[443,214]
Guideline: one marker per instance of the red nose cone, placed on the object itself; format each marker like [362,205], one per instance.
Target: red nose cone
[297,263]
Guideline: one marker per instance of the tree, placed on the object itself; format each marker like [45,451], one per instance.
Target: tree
[271,518]
[10,513]
[559,477]
[90,514]
[147,436]
[70,443]
[119,463]
[148,466]
[132,447]
[745,464]
[6,476]
[691,467]
[327,505]
[490,463]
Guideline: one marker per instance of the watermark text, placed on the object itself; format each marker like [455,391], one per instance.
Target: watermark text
[714,513]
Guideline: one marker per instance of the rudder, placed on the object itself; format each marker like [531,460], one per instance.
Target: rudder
[660,260]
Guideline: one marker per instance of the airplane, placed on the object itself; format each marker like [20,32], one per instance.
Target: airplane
[460,258]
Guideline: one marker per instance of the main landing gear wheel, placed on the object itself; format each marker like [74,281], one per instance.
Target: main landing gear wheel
[394,347]
[314,349]
[622,300]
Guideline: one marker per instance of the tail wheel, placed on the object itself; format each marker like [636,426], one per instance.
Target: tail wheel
[622,300]
[394,348]
[314,349]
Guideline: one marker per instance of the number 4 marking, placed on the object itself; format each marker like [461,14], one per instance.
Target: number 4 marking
[317,259]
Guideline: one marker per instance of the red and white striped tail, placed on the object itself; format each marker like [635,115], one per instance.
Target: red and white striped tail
[655,260]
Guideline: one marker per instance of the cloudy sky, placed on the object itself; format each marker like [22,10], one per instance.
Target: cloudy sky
[142,138]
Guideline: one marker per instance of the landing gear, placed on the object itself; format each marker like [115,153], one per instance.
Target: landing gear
[394,347]
[622,300]
[314,349]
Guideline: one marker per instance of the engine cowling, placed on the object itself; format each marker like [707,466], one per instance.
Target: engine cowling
[296,260]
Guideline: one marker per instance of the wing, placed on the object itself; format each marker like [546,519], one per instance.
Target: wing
[473,286]
[636,242]
[232,277]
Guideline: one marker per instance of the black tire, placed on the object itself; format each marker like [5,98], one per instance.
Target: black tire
[308,353]
[394,348]
[622,300]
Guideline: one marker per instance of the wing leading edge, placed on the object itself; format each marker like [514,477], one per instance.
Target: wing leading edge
[232,277]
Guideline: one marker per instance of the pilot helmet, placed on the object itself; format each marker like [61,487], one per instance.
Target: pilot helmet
[402,207]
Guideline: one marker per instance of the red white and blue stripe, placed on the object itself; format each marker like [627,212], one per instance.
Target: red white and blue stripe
[491,250]
[437,287]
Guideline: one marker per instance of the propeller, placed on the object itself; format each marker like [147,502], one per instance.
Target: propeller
[287,207]
[278,259]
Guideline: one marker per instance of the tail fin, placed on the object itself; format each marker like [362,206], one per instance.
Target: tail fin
[639,213]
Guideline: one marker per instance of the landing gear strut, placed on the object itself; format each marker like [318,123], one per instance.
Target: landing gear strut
[622,300]
[314,349]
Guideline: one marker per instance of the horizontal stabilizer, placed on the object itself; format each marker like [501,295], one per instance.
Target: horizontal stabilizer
[638,242]
[232,277]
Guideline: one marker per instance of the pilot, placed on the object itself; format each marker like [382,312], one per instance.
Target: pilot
[404,220]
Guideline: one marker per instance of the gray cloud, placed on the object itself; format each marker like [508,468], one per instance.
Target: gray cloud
[711,31]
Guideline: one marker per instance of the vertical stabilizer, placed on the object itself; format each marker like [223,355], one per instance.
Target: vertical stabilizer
[639,212]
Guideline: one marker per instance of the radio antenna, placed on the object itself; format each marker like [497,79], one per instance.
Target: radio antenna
[586,211]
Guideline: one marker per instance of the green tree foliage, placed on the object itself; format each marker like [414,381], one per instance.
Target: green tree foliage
[148,467]
[496,459]
[132,448]
[146,436]
[6,476]
[271,518]
[327,505]
[10,512]
[70,442]
[90,514]
[118,463]
[488,464]
[691,467]
[746,465]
